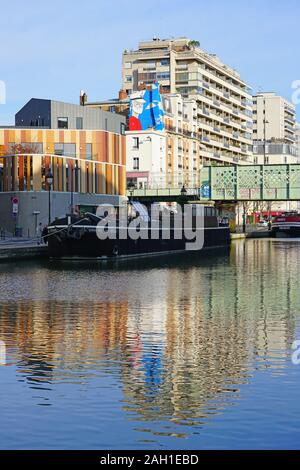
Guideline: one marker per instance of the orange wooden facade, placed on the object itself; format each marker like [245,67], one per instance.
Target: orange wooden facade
[102,166]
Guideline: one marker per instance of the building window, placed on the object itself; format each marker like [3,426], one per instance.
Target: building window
[128,65]
[123,128]
[24,147]
[89,151]
[128,78]
[136,142]
[70,150]
[163,76]
[62,123]
[65,149]
[58,149]
[136,163]
[164,62]
[79,123]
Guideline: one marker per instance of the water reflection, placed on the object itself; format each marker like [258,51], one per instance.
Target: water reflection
[180,338]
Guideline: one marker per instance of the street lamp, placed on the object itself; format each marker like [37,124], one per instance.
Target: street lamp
[49,181]
[265,133]
[131,188]
[75,170]
[183,191]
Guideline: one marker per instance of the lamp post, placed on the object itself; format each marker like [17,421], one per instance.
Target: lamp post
[183,192]
[131,187]
[265,134]
[49,181]
[75,170]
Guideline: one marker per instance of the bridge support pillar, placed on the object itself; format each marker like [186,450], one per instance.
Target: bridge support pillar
[231,210]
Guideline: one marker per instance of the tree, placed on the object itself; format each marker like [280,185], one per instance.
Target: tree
[193,44]
[17,149]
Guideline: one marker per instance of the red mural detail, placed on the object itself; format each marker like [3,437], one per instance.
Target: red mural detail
[134,124]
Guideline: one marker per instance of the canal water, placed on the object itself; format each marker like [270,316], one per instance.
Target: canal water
[189,352]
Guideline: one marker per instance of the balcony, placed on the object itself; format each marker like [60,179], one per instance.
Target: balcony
[290,119]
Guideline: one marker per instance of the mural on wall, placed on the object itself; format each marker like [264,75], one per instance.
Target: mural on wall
[146,110]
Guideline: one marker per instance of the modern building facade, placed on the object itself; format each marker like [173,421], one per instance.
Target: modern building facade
[224,103]
[59,115]
[88,168]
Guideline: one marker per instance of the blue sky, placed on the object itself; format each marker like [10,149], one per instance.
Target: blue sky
[53,49]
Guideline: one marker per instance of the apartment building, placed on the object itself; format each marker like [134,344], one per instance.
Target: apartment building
[223,100]
[273,118]
[297,133]
[146,159]
[274,129]
[274,152]
[184,158]
[168,158]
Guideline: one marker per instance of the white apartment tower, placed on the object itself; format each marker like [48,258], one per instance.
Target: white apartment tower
[224,104]
[274,130]
[279,117]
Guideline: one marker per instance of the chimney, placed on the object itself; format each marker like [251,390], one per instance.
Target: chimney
[122,95]
[83,98]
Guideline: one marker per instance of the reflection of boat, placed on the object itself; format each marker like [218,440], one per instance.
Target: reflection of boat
[77,237]
[287,224]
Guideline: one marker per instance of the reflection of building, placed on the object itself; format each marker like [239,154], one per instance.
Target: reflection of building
[90,163]
[224,105]
[180,340]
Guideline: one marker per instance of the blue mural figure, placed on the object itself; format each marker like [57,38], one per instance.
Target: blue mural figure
[146,111]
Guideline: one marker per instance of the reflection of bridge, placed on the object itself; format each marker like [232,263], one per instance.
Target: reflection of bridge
[237,183]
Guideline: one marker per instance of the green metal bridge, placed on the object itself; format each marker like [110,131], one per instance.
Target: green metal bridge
[236,183]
